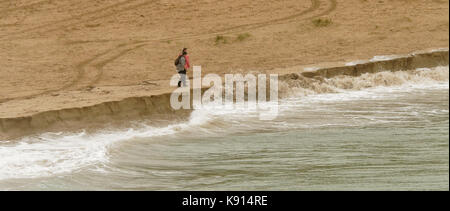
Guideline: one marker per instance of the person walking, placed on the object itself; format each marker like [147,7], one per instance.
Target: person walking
[186,56]
[182,65]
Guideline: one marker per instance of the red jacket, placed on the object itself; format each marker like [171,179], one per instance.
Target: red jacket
[187,65]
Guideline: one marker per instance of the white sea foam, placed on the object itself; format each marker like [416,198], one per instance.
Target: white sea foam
[311,68]
[373,93]
[385,58]
[353,63]
[439,50]
[56,153]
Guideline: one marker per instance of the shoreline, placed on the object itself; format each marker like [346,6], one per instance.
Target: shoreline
[121,110]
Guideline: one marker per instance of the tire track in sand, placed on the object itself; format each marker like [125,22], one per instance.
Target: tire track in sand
[63,24]
[315,6]
[5,11]
[90,71]
[79,19]
[332,7]
[96,64]
[3,1]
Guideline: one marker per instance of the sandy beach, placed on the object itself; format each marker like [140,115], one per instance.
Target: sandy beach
[63,54]
[362,95]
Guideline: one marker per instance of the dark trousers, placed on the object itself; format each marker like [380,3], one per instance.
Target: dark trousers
[182,78]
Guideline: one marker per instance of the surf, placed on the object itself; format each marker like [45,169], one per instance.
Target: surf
[51,154]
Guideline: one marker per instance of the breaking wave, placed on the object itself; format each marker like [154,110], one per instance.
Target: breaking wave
[298,85]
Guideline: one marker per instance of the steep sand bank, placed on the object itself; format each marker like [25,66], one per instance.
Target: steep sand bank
[157,106]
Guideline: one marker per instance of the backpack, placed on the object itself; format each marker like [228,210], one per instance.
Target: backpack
[177,61]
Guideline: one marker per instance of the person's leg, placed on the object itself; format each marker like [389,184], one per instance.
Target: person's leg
[180,73]
[183,78]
